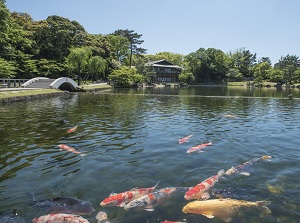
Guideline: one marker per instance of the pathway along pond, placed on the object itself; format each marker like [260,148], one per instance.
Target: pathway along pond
[130,139]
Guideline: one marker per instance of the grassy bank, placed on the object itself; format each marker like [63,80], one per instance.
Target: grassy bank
[23,93]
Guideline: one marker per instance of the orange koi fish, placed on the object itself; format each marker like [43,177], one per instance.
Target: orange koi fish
[184,139]
[72,129]
[199,147]
[200,191]
[70,149]
[123,198]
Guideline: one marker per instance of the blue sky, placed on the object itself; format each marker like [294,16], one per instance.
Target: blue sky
[269,28]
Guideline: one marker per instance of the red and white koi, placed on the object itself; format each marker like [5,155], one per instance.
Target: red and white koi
[123,198]
[70,149]
[200,191]
[63,218]
[184,139]
[148,201]
[199,147]
[173,222]
[241,168]
[72,129]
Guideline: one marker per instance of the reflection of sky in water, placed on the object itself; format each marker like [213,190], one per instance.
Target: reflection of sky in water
[132,141]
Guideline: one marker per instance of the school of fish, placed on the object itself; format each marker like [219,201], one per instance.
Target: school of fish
[68,210]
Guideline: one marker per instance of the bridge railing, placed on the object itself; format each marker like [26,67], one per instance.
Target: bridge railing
[9,83]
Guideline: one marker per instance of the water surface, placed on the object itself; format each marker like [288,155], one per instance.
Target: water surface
[130,138]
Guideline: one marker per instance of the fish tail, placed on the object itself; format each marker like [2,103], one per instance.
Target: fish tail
[31,194]
[221,172]
[156,184]
[263,206]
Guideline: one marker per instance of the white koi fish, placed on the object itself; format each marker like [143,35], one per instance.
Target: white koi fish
[241,168]
[60,218]
[184,139]
[200,191]
[123,198]
[148,201]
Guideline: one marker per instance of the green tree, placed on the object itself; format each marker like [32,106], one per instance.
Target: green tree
[97,65]
[134,41]
[78,59]
[243,60]
[275,75]
[186,77]
[120,46]
[261,70]
[288,65]
[125,77]
[174,58]
[207,65]
[7,69]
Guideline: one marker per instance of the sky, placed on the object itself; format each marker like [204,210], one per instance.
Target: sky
[269,28]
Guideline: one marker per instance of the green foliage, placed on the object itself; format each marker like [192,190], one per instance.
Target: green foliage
[7,69]
[134,41]
[78,59]
[50,68]
[242,60]
[261,70]
[234,75]
[207,65]
[97,65]
[275,75]
[174,58]
[288,65]
[187,77]
[125,77]
[120,46]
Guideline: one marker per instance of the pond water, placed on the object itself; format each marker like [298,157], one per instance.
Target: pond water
[130,139]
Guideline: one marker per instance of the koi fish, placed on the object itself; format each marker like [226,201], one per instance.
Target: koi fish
[102,217]
[173,222]
[65,205]
[184,139]
[60,218]
[199,147]
[224,208]
[70,149]
[229,116]
[240,168]
[148,201]
[200,191]
[123,198]
[72,129]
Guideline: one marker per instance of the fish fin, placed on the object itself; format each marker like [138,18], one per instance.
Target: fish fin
[226,219]
[205,196]
[31,194]
[245,173]
[221,172]
[156,184]
[112,194]
[208,216]
[149,209]
[123,204]
[83,155]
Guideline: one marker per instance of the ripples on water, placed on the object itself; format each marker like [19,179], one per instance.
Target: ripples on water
[131,140]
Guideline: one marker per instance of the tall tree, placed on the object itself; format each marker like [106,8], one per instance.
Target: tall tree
[288,65]
[120,46]
[134,41]
[78,59]
[97,65]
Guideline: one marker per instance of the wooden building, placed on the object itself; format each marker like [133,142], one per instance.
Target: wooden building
[165,72]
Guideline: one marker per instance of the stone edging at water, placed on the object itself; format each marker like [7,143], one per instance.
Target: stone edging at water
[32,97]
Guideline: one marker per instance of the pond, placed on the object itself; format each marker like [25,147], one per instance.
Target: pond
[130,140]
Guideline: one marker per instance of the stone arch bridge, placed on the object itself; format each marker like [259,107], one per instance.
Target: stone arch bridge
[63,83]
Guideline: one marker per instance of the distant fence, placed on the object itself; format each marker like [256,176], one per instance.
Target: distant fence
[8,83]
